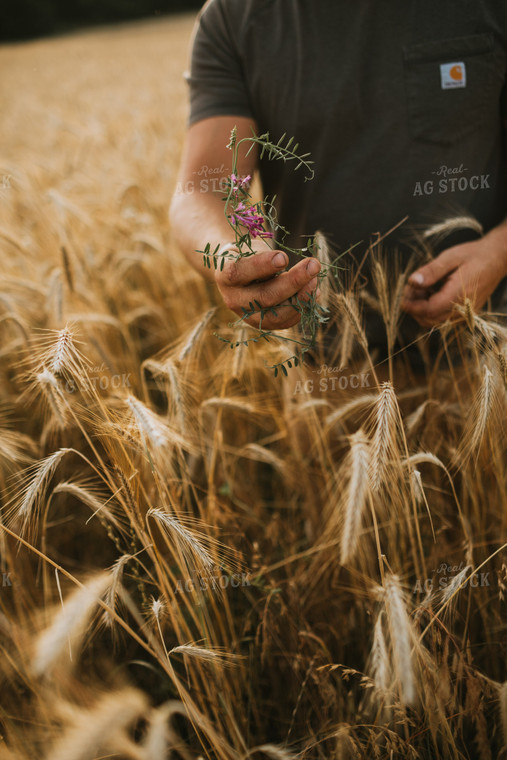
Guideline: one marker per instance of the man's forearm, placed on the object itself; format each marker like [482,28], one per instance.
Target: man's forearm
[197,220]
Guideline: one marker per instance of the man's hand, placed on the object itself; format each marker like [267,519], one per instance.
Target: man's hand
[198,219]
[261,278]
[470,270]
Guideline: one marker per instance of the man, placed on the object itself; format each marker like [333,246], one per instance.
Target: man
[401,104]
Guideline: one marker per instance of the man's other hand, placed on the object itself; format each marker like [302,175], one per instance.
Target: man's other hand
[470,270]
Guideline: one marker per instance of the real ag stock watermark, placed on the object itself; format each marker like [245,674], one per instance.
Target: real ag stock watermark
[451,179]
[330,379]
[207,179]
[101,380]
[213,582]
[448,577]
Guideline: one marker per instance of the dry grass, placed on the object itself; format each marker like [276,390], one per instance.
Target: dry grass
[197,559]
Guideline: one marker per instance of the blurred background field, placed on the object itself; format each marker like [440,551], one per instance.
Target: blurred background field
[92,116]
[251,566]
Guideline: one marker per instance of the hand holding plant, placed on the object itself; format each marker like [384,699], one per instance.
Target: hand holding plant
[252,273]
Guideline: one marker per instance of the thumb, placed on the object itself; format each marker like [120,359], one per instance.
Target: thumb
[429,274]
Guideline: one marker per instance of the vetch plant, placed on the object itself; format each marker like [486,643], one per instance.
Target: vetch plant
[249,221]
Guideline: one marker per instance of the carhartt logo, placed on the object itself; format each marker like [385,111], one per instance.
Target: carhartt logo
[453,75]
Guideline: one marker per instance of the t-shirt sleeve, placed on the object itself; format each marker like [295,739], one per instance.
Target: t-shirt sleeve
[216,78]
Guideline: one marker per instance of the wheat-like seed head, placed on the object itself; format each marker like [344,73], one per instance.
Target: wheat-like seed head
[452,587]
[97,731]
[191,345]
[200,552]
[401,636]
[486,412]
[356,495]
[217,656]
[440,230]
[272,751]
[155,431]
[162,737]
[114,586]
[380,664]
[158,607]
[50,387]
[25,505]
[385,443]
[61,355]
[68,626]
[350,309]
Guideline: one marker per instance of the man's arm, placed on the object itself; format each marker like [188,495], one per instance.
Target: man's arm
[197,218]
[473,270]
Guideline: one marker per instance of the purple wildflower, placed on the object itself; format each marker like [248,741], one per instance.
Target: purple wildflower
[240,183]
[249,217]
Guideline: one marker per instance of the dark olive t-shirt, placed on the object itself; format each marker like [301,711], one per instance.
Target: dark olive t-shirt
[401,104]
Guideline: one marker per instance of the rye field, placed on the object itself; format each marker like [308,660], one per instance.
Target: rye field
[198,559]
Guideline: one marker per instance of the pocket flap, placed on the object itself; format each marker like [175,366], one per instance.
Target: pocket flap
[441,110]
[438,50]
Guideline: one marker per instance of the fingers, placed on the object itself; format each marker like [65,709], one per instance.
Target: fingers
[285,317]
[433,309]
[440,267]
[297,281]
[280,314]
[414,294]
[243,271]
[262,266]
[260,279]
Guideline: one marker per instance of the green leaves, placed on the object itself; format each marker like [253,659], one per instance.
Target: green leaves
[284,366]
[281,152]
[208,257]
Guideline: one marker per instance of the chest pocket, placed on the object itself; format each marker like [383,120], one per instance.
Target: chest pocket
[453,87]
